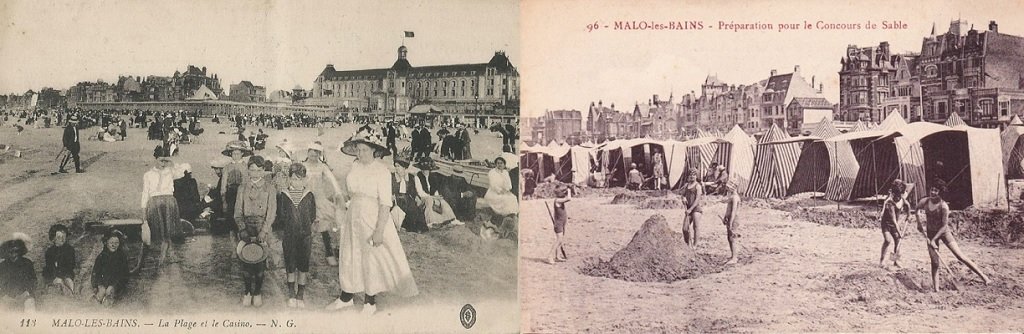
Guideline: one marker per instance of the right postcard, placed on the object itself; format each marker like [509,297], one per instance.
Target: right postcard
[783,166]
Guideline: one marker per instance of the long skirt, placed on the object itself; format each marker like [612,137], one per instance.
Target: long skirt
[502,204]
[230,196]
[367,269]
[415,220]
[162,217]
[433,215]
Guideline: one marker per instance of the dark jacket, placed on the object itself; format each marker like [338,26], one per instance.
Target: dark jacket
[111,269]
[433,184]
[71,139]
[296,221]
[17,277]
[186,193]
[60,262]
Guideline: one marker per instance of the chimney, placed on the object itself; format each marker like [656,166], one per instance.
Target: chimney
[796,69]
[774,72]
[812,81]
[993,27]
[821,88]
[204,70]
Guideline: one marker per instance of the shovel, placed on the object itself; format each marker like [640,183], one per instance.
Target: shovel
[951,278]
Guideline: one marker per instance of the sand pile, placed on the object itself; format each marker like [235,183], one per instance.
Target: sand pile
[991,224]
[857,217]
[630,197]
[655,254]
[884,292]
[661,203]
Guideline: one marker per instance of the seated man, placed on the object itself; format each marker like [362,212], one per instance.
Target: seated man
[460,195]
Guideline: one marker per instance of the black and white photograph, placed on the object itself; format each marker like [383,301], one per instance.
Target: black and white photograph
[783,166]
[259,166]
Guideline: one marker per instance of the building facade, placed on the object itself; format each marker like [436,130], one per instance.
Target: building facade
[977,74]
[559,125]
[481,88]
[245,91]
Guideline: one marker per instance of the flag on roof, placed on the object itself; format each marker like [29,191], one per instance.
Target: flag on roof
[410,34]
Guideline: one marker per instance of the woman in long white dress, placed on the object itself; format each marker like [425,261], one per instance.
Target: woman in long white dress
[499,194]
[372,258]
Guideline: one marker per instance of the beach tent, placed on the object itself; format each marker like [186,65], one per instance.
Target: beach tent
[700,152]
[965,158]
[581,163]
[813,168]
[1013,149]
[774,164]
[545,161]
[859,126]
[736,152]
[860,165]
[954,121]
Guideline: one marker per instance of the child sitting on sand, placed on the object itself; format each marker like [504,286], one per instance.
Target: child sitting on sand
[59,268]
[636,179]
[559,219]
[110,273]
[17,274]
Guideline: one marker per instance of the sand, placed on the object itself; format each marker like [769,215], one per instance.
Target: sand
[655,254]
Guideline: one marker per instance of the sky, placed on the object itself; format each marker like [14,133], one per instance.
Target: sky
[566,67]
[276,44]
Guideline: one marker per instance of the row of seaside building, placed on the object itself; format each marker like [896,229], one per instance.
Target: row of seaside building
[487,88]
[978,75]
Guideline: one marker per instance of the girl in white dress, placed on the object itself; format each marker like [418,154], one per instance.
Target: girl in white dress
[372,259]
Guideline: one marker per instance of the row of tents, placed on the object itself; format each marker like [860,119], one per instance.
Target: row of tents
[861,163]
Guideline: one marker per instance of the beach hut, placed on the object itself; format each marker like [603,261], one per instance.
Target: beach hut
[735,151]
[860,165]
[954,121]
[774,164]
[1013,149]
[813,168]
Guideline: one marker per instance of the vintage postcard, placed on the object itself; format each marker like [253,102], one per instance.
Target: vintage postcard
[728,166]
[259,166]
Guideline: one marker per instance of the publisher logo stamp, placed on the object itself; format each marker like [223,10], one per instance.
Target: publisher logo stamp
[468,316]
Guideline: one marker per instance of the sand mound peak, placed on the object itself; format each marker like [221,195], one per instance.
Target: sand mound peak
[655,254]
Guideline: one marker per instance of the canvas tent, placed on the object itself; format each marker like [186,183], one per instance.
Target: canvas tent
[861,166]
[700,152]
[813,168]
[774,165]
[954,121]
[1013,149]
[735,151]
[545,161]
[960,157]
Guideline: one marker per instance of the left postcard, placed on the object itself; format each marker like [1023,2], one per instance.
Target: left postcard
[259,166]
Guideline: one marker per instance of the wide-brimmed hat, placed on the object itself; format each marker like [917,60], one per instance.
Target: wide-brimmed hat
[237,145]
[364,137]
[219,163]
[316,147]
[426,164]
[73,118]
[251,252]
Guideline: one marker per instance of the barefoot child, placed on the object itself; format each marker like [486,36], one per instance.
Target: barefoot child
[110,273]
[560,218]
[60,265]
[693,193]
[894,209]
[937,212]
[732,226]
[17,275]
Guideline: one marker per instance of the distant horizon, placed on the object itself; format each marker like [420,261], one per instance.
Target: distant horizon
[275,44]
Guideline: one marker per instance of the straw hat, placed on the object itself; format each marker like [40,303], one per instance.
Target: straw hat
[237,145]
[251,252]
[218,163]
[364,137]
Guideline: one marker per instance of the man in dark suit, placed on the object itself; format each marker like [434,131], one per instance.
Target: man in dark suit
[390,136]
[464,143]
[420,142]
[73,145]
[446,142]
[511,135]
[459,194]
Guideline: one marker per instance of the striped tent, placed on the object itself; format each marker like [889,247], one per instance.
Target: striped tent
[1012,140]
[860,165]
[813,167]
[736,152]
[699,157]
[774,165]
[954,121]
[859,126]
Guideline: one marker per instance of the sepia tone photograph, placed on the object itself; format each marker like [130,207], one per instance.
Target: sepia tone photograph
[784,166]
[269,166]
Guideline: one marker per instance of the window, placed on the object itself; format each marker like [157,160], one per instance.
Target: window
[940,110]
[1004,108]
[987,107]
[931,71]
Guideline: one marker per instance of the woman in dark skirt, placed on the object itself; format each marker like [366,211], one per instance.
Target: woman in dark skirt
[403,188]
[110,273]
[162,216]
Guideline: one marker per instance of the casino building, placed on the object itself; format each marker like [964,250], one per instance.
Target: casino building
[467,91]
